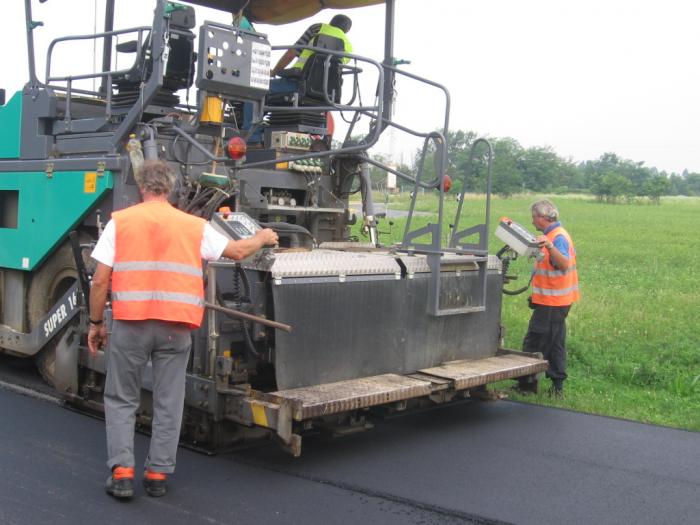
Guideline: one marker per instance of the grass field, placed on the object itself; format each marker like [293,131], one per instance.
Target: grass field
[633,339]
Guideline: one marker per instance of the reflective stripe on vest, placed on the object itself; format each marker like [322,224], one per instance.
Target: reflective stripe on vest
[155,295]
[554,293]
[157,272]
[555,273]
[326,30]
[550,285]
[157,266]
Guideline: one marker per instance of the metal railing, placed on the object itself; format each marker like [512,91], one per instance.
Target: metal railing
[70,79]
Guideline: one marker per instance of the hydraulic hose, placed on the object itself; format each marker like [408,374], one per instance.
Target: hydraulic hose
[239,276]
[505,264]
[286,227]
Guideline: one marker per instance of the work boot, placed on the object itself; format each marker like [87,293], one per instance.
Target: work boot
[557,389]
[121,483]
[526,386]
[155,483]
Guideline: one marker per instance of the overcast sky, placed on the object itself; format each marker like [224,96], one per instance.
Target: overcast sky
[584,77]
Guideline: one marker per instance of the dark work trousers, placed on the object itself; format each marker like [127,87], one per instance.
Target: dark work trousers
[132,344]
[546,333]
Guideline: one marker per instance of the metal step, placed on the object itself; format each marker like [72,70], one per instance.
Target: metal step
[469,374]
[342,396]
[276,410]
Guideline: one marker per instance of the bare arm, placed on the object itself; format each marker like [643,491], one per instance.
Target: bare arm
[97,335]
[243,248]
[558,259]
[284,61]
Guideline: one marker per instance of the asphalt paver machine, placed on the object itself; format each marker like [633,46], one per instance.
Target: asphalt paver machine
[374,328]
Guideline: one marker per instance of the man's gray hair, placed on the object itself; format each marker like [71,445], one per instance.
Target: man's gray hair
[155,177]
[546,209]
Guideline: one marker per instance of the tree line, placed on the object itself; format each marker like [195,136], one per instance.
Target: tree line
[539,169]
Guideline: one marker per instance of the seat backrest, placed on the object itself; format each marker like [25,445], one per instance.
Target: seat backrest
[328,42]
[313,73]
[141,66]
[179,72]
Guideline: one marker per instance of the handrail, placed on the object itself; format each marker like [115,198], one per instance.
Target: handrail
[431,83]
[435,230]
[363,146]
[332,106]
[138,29]
[482,230]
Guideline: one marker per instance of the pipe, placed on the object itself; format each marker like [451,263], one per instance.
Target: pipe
[368,204]
[33,81]
[107,43]
[248,317]
[388,88]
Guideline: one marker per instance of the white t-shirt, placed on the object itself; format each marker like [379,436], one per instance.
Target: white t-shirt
[213,244]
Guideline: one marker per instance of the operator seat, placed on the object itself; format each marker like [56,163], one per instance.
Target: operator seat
[312,76]
[179,71]
[310,91]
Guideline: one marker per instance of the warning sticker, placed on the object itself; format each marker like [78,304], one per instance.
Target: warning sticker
[260,66]
[90,185]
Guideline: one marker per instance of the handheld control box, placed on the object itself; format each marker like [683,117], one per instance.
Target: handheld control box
[236,225]
[519,239]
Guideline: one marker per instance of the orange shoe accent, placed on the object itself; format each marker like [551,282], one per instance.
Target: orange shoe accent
[123,472]
[155,475]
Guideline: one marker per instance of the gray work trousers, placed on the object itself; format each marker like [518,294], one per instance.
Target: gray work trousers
[131,345]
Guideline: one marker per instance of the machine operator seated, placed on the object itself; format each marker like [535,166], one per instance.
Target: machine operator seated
[332,36]
[303,83]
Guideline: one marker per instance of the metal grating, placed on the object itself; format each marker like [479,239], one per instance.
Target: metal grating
[326,263]
[418,263]
[471,373]
[348,245]
[342,396]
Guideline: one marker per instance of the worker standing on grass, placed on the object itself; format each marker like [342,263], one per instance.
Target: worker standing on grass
[153,254]
[554,290]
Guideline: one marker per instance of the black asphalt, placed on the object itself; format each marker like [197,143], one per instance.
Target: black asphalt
[483,462]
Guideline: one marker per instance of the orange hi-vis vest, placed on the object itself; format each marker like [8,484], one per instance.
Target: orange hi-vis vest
[550,285]
[157,272]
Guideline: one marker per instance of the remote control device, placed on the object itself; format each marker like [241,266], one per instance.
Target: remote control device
[518,238]
[236,225]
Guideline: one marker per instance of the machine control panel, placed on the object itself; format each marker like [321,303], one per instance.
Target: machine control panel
[237,225]
[290,140]
[517,237]
[232,61]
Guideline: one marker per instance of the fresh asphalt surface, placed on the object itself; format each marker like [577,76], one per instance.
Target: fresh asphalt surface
[481,462]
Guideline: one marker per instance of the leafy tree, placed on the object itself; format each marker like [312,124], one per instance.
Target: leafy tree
[678,185]
[544,170]
[655,187]
[507,177]
[693,183]
[539,169]
[617,186]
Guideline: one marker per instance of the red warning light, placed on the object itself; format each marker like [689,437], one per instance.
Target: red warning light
[236,148]
[446,183]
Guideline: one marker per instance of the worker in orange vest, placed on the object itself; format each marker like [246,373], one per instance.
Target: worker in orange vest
[554,290]
[153,255]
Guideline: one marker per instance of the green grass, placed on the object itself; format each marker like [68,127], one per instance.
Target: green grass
[633,340]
